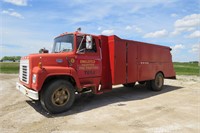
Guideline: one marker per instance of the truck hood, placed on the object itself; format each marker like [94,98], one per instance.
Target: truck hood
[52,59]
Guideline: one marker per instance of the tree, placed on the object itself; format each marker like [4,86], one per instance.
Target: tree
[11,58]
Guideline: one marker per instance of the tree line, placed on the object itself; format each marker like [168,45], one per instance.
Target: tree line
[10,58]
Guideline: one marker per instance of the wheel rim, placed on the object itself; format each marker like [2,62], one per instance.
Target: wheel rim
[159,81]
[60,97]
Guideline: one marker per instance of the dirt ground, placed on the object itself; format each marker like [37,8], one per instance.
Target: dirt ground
[175,109]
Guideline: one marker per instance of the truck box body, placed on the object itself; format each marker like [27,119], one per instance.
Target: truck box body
[126,61]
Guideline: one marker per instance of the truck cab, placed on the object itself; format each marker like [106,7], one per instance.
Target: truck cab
[74,65]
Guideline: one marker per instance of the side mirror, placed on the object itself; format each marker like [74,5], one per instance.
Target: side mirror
[89,42]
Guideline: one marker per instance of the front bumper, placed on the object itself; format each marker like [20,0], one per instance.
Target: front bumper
[29,93]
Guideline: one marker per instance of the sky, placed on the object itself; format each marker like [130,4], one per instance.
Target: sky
[28,25]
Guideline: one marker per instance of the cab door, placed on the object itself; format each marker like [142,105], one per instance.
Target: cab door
[88,60]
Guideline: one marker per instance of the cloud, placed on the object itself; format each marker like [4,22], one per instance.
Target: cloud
[139,5]
[128,27]
[137,29]
[17,2]
[99,28]
[177,52]
[86,14]
[174,15]
[12,13]
[195,34]
[156,34]
[195,48]
[178,46]
[187,23]
[133,28]
[107,32]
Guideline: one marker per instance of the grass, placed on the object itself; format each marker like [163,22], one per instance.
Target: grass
[186,68]
[180,68]
[9,67]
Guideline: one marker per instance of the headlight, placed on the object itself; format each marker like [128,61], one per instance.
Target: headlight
[34,78]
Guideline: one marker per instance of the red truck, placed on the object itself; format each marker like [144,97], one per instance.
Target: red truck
[82,63]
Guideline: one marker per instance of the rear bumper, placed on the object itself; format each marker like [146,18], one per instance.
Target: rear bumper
[29,93]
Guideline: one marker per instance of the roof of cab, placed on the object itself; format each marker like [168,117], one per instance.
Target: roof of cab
[76,32]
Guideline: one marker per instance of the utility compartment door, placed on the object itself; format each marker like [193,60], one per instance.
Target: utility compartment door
[119,62]
[132,54]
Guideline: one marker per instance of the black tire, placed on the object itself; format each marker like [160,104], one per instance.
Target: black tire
[158,82]
[58,96]
[129,84]
[148,85]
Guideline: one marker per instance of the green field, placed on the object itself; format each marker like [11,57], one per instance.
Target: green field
[180,68]
[186,68]
[9,67]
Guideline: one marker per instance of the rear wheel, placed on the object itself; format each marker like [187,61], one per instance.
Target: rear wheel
[129,84]
[58,96]
[157,83]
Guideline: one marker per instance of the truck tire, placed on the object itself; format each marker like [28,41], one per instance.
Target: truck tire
[158,82]
[129,84]
[148,85]
[58,96]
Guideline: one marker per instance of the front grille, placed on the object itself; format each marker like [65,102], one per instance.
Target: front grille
[24,71]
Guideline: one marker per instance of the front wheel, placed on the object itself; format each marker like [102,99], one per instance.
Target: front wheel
[58,96]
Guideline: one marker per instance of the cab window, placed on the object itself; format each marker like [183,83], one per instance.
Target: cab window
[81,45]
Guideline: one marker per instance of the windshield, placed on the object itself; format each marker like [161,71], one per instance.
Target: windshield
[63,44]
